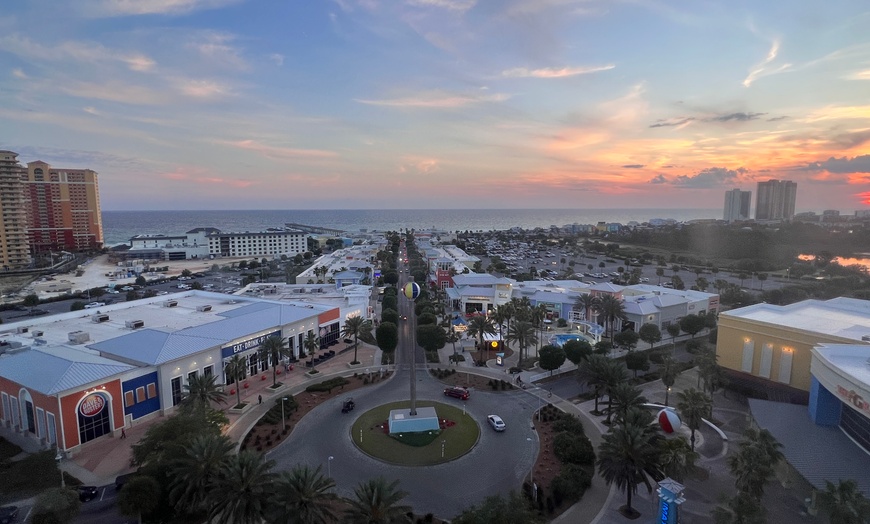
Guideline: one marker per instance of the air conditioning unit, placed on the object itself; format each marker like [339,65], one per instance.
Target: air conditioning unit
[203,308]
[102,317]
[134,324]
[22,329]
[170,303]
[36,333]
[79,337]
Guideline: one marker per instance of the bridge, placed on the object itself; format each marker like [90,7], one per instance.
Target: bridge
[315,229]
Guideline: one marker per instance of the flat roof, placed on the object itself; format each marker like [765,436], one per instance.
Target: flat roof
[852,360]
[840,317]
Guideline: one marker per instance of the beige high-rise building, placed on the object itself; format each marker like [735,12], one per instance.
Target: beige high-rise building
[14,247]
[63,208]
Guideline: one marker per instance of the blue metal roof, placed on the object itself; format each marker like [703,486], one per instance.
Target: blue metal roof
[61,370]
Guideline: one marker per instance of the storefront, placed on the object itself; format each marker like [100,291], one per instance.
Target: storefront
[840,390]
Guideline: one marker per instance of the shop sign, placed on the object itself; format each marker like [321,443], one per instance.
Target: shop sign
[92,405]
[854,398]
[245,345]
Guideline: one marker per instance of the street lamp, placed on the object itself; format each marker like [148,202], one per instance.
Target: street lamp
[58,458]
[329,466]
[283,425]
[443,442]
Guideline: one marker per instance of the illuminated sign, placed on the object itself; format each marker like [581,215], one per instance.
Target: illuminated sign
[665,515]
[853,398]
[245,345]
[92,405]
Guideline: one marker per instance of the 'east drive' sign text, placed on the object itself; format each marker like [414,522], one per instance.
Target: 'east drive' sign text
[245,345]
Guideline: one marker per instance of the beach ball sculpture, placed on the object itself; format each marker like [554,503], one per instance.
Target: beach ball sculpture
[411,290]
[669,421]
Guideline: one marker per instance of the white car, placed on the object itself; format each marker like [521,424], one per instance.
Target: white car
[94,304]
[496,422]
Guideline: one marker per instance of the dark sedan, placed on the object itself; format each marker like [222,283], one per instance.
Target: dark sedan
[87,493]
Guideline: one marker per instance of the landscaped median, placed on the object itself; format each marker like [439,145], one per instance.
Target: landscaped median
[459,434]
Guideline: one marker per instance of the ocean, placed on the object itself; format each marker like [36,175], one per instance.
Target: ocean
[119,226]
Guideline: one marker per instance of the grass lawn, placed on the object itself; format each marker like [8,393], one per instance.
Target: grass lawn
[26,478]
[459,439]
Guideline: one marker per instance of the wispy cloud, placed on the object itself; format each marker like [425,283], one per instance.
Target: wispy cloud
[553,72]
[838,113]
[279,152]
[452,5]
[418,165]
[739,117]
[762,69]
[859,75]
[679,122]
[108,8]
[201,89]
[436,100]
[89,52]
[215,46]
[633,166]
[18,73]
[277,59]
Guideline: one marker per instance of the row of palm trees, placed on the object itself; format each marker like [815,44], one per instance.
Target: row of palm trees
[212,481]
[525,324]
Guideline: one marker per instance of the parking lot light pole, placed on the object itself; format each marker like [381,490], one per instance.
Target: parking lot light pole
[329,466]
[58,458]
[283,425]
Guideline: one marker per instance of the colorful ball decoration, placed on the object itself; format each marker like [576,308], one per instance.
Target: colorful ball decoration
[412,290]
[669,420]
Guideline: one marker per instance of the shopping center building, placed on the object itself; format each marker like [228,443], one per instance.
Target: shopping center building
[76,377]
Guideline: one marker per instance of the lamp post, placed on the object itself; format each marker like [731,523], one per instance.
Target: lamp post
[58,458]
[443,442]
[283,425]
[329,466]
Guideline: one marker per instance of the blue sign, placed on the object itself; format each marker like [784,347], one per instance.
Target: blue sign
[245,345]
[665,515]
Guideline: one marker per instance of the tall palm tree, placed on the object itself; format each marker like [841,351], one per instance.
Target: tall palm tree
[585,302]
[508,310]
[624,397]
[675,458]
[539,313]
[753,464]
[498,318]
[303,496]
[376,502]
[844,503]
[669,372]
[353,327]
[274,348]
[523,333]
[478,326]
[693,406]
[235,369]
[311,345]
[593,372]
[624,456]
[241,492]
[200,391]
[193,474]
[140,496]
[614,375]
[613,309]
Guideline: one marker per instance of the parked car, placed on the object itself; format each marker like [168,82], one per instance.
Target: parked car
[94,304]
[496,422]
[456,392]
[87,493]
[8,514]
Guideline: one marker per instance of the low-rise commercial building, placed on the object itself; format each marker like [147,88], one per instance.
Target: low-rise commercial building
[209,242]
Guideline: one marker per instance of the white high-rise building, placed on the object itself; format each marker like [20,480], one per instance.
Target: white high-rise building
[737,204]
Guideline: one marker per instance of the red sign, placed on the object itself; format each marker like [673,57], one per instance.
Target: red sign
[854,398]
[92,405]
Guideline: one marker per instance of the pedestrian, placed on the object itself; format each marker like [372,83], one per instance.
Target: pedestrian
[123,433]
[259,399]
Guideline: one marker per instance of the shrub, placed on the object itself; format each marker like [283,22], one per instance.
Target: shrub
[327,385]
[573,449]
[572,482]
[566,422]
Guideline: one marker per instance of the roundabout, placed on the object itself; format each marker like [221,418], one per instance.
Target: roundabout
[458,435]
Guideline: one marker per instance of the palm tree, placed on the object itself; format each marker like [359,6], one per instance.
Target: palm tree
[594,372]
[613,310]
[753,464]
[844,503]
[498,318]
[235,369]
[585,302]
[508,310]
[200,391]
[539,313]
[478,326]
[624,457]
[693,405]
[311,345]
[675,457]
[376,502]
[274,348]
[669,372]
[193,474]
[353,327]
[302,496]
[623,398]
[523,333]
[242,490]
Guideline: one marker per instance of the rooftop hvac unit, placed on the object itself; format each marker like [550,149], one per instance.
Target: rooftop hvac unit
[865,338]
[170,303]
[36,333]
[22,329]
[203,308]
[102,317]
[134,324]
[79,337]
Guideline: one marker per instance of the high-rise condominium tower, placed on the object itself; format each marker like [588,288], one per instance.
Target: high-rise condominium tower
[63,208]
[14,250]
[775,200]
[737,204]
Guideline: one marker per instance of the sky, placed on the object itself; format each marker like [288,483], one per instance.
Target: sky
[402,104]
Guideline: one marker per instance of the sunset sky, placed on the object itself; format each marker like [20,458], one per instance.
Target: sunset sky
[297,104]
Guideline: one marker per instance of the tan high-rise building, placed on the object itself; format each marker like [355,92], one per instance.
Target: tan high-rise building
[14,248]
[63,208]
